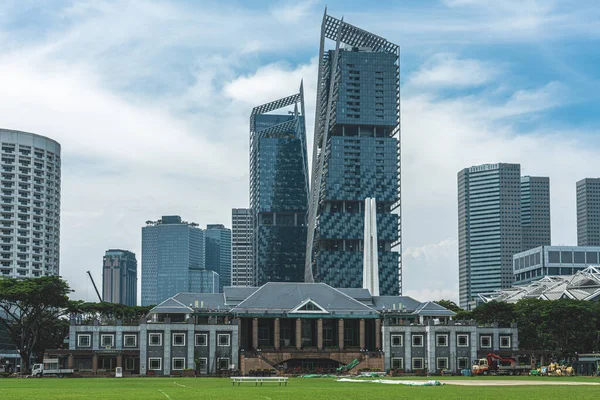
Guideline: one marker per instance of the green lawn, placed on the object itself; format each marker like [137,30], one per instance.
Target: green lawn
[298,388]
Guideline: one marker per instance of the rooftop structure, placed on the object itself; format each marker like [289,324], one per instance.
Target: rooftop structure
[533,264]
[584,285]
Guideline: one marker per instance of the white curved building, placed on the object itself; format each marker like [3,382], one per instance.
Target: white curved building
[29,204]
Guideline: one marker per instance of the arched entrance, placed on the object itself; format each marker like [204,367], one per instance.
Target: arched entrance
[309,366]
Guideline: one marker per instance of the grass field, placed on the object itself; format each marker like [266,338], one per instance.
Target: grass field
[298,388]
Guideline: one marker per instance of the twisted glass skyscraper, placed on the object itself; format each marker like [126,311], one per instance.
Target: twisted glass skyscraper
[356,155]
[279,189]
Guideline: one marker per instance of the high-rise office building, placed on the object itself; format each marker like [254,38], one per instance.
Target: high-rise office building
[588,212]
[535,211]
[279,189]
[356,155]
[242,271]
[29,205]
[119,277]
[172,250]
[204,281]
[217,250]
[489,228]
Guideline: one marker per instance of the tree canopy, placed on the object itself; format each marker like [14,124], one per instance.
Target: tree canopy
[30,306]
[563,327]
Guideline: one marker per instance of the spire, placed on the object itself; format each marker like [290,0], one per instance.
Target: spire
[370,258]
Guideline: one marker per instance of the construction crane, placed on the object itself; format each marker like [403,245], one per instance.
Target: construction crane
[95,288]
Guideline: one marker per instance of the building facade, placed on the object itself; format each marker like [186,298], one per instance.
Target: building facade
[489,228]
[119,277]
[29,205]
[535,211]
[172,250]
[217,250]
[588,212]
[205,281]
[279,189]
[356,155]
[242,271]
[287,328]
[534,264]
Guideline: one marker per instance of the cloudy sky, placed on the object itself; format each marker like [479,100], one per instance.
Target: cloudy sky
[150,101]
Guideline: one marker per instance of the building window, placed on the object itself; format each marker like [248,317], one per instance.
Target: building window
[417,363]
[463,362]
[83,340]
[223,364]
[485,342]
[155,339]
[417,340]
[178,363]
[442,340]
[202,365]
[397,340]
[179,339]
[129,364]
[223,339]
[107,340]
[505,342]
[397,363]
[201,339]
[442,363]
[462,340]
[129,340]
[155,364]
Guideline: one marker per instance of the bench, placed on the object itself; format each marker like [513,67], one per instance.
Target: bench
[259,379]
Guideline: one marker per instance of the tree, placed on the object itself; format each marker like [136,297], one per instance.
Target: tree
[108,313]
[31,306]
[495,311]
[449,304]
[53,337]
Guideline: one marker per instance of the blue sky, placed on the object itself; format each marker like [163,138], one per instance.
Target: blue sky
[150,101]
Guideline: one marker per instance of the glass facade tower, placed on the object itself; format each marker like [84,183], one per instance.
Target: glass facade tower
[535,211]
[489,229]
[588,212]
[172,253]
[356,155]
[279,189]
[217,250]
[119,277]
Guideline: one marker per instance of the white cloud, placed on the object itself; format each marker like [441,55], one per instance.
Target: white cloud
[447,70]
[293,11]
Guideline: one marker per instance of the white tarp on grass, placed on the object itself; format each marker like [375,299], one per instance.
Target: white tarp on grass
[393,382]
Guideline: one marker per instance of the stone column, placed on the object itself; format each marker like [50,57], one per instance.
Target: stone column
[378,334]
[320,333]
[95,364]
[119,360]
[276,332]
[362,333]
[70,361]
[453,354]
[255,333]
[341,334]
[298,333]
